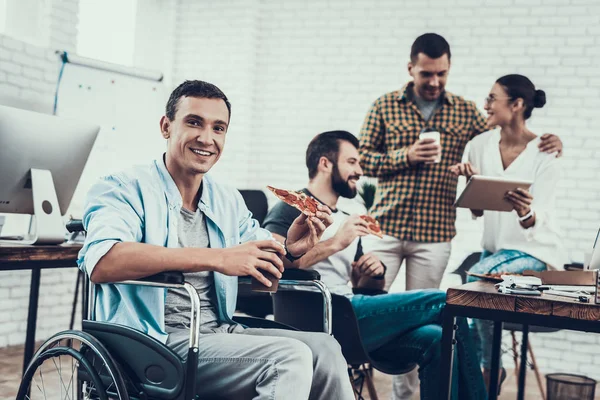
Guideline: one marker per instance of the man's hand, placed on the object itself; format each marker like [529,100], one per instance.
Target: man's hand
[465,169]
[551,143]
[354,227]
[521,200]
[251,257]
[305,232]
[368,265]
[423,150]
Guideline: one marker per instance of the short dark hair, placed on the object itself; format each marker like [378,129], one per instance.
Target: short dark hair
[520,87]
[326,144]
[200,89]
[430,44]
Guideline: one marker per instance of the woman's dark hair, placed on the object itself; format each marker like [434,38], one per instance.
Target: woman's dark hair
[520,87]
[326,144]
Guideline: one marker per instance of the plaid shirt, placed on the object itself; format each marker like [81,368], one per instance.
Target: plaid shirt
[415,202]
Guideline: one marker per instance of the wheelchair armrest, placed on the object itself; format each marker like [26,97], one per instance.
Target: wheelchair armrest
[167,277]
[296,274]
[75,225]
[291,274]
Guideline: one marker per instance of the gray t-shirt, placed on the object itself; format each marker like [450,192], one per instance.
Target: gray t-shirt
[427,108]
[192,232]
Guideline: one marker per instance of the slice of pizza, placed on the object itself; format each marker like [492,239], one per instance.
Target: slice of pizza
[305,204]
[374,227]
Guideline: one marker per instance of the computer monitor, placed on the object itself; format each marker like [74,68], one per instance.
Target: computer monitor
[41,160]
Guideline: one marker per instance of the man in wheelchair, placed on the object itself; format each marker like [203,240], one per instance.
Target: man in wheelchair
[173,216]
[407,325]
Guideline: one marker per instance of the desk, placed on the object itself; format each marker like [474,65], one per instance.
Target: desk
[481,300]
[36,258]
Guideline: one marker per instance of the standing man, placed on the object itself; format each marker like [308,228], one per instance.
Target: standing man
[416,190]
[171,215]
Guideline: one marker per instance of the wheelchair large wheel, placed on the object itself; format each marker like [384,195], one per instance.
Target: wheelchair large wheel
[72,365]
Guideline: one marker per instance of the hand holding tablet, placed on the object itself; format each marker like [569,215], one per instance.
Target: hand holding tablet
[491,193]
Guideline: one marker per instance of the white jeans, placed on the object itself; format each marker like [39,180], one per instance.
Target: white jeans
[425,266]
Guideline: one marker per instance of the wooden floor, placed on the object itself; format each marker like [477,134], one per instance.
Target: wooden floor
[10,374]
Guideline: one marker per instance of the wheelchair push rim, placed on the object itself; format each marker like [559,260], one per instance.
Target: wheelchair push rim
[72,365]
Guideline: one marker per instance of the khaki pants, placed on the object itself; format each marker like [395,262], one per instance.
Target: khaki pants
[425,266]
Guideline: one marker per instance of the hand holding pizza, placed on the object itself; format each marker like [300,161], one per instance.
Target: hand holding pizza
[352,228]
[306,231]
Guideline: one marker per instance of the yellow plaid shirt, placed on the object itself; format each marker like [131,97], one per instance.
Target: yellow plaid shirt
[415,202]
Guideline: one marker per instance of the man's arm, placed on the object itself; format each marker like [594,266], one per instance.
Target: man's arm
[320,252]
[114,218]
[130,261]
[478,121]
[375,161]
[279,220]
[113,252]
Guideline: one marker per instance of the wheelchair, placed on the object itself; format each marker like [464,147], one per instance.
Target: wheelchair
[110,361]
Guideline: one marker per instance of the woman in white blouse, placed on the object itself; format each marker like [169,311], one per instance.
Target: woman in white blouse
[526,239]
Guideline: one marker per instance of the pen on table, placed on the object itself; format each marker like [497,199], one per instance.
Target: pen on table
[584,298]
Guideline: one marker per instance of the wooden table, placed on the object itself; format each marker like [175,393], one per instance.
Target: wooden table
[481,300]
[36,258]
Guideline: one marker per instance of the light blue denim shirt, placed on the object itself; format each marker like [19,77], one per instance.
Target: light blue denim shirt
[142,205]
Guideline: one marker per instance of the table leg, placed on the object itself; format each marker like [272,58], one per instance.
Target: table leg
[448,342]
[496,344]
[523,368]
[74,308]
[34,292]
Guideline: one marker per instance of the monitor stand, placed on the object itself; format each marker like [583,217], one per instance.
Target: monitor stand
[47,225]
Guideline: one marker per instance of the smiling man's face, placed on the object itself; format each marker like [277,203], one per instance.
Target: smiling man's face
[347,171]
[429,75]
[196,136]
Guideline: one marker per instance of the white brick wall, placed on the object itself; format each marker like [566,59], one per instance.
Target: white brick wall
[28,76]
[294,69]
[230,64]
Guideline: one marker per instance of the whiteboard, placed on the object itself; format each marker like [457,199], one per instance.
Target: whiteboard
[127,108]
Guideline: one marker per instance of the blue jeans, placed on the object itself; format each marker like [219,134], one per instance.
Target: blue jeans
[406,327]
[501,261]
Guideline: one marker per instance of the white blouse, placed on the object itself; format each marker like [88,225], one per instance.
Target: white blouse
[502,230]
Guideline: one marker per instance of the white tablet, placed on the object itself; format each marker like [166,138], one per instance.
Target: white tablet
[487,193]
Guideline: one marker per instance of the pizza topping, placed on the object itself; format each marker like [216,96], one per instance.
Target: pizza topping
[311,204]
[369,219]
[282,193]
[373,225]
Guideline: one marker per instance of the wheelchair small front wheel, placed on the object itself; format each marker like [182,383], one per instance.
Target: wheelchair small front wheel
[72,365]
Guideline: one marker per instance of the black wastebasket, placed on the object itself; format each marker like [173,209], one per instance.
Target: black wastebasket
[570,387]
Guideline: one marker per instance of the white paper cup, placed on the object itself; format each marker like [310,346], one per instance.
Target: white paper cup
[435,136]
